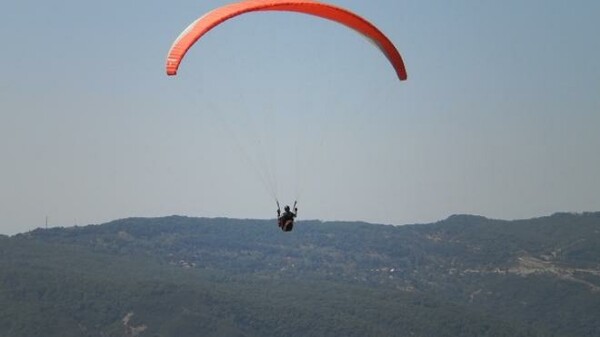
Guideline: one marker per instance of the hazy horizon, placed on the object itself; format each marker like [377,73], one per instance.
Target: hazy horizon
[499,116]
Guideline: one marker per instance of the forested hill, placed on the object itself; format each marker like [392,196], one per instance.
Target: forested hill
[178,276]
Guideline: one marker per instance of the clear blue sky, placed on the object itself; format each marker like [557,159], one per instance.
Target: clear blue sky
[500,115]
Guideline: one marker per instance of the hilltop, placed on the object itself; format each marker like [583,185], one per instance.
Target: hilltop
[173,276]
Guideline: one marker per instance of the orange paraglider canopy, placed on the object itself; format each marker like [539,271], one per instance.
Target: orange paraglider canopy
[215,17]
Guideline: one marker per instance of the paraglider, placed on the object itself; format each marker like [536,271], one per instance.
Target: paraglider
[334,13]
[197,29]
[286,220]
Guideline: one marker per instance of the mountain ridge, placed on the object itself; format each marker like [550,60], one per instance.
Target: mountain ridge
[462,276]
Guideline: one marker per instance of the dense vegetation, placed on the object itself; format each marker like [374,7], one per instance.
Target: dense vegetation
[178,276]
